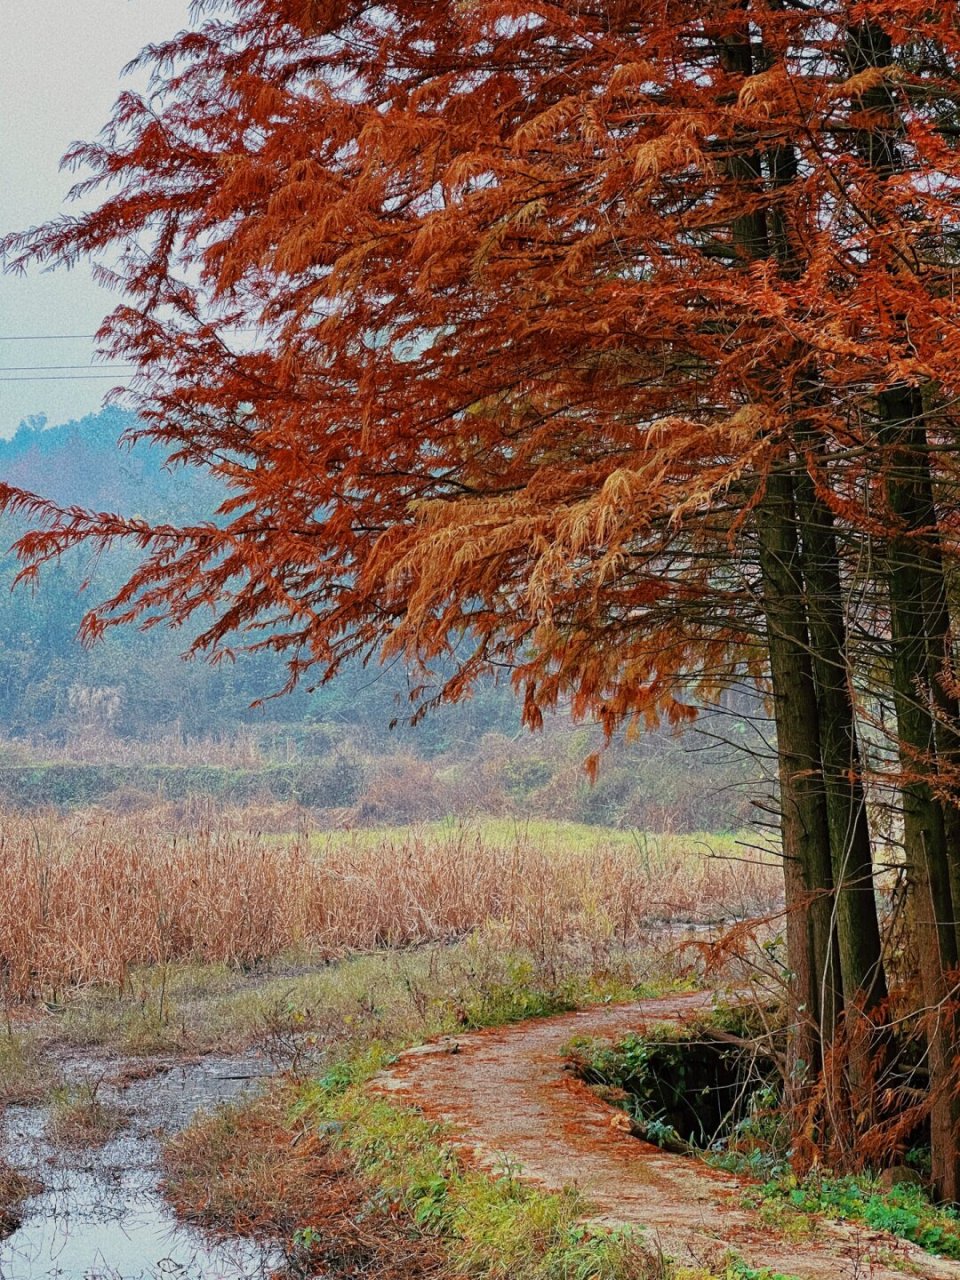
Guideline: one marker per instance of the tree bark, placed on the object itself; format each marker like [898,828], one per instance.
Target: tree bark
[858,925]
[918,632]
[804,826]
[924,827]
[811,949]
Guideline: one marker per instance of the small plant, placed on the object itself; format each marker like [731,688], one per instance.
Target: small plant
[24,1075]
[15,1189]
[905,1210]
[730,1268]
[288,1037]
[737,1269]
[78,1118]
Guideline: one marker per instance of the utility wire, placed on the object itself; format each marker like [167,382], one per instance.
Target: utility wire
[49,368]
[76,337]
[44,337]
[93,377]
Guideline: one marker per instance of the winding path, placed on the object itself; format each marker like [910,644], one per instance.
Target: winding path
[510,1102]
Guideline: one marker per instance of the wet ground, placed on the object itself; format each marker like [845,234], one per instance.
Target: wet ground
[101,1215]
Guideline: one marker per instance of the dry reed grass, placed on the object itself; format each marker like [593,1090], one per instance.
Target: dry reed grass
[86,901]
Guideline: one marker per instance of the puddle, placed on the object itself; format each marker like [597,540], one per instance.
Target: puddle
[101,1216]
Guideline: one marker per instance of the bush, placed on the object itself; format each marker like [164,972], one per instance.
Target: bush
[332,782]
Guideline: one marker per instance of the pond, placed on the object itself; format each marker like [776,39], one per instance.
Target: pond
[101,1215]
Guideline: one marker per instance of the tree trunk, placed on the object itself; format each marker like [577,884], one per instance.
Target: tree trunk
[811,951]
[924,828]
[858,925]
[946,725]
[805,831]
[918,631]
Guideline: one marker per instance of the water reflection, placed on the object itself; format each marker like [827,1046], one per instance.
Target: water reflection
[100,1216]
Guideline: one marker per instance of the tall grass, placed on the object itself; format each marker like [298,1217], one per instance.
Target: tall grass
[86,900]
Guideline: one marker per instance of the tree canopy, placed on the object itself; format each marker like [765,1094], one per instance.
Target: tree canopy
[614,343]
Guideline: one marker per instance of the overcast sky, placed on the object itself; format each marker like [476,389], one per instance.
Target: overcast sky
[60,63]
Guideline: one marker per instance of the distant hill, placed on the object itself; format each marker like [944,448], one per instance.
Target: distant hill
[83,463]
[45,674]
[76,708]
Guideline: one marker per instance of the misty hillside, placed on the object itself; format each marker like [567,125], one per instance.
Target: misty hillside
[81,463]
[131,704]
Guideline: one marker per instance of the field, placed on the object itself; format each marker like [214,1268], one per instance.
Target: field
[91,902]
[165,935]
[130,944]
[133,944]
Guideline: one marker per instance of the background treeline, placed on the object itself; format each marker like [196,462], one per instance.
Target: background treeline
[129,722]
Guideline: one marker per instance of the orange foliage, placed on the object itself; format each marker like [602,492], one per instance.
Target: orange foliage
[443,292]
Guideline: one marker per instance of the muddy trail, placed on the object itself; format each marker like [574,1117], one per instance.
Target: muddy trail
[100,1214]
[511,1103]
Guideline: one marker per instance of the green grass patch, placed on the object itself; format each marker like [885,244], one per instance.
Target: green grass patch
[652,849]
[904,1211]
[300,1008]
[25,1074]
[495,1226]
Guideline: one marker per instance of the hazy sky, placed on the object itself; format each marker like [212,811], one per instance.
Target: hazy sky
[60,63]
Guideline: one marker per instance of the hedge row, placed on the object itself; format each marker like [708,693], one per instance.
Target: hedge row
[330,783]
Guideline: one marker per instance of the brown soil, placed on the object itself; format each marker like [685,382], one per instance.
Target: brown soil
[509,1101]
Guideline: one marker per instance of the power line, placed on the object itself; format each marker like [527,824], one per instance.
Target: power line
[49,368]
[93,377]
[44,337]
[76,337]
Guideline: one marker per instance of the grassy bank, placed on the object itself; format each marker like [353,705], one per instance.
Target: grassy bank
[342,1155]
[299,1012]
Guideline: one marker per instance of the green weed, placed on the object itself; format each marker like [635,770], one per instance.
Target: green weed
[25,1075]
[904,1211]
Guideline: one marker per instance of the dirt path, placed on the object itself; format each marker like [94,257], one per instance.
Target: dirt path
[508,1099]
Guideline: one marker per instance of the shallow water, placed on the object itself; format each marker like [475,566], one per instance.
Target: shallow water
[101,1216]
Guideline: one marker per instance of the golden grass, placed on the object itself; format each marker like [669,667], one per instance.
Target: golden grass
[88,900]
